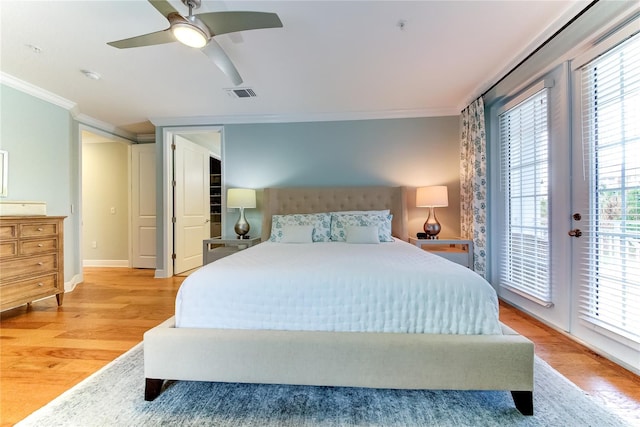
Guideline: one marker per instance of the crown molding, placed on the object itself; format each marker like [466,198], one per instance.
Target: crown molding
[219,119]
[303,117]
[38,92]
[534,43]
[593,18]
[72,107]
[105,127]
[146,137]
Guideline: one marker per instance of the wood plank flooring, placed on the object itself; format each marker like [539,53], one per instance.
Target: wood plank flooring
[45,349]
[613,386]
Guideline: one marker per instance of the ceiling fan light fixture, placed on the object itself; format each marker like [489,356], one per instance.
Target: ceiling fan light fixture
[190,35]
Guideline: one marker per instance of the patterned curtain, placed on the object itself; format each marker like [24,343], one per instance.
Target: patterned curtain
[473,182]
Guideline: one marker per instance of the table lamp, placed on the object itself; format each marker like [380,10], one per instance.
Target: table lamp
[241,198]
[432,197]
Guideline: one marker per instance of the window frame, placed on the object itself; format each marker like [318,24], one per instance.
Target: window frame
[524,291]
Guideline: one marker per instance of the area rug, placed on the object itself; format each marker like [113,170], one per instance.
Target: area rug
[114,397]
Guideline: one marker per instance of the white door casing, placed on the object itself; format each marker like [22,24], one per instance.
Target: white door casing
[143,205]
[191,203]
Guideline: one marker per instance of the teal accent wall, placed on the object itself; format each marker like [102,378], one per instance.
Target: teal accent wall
[346,153]
[43,156]
[405,152]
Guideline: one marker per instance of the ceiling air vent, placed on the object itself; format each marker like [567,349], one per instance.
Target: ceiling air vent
[241,93]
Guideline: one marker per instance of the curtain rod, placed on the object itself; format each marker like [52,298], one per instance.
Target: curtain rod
[571,21]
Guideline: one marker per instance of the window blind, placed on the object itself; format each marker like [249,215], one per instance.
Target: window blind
[524,163]
[610,283]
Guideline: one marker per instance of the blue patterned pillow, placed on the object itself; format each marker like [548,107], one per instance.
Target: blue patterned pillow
[340,222]
[321,225]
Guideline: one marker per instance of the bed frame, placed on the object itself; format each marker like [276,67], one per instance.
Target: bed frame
[350,359]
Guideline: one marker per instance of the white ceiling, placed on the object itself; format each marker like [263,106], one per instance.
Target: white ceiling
[332,59]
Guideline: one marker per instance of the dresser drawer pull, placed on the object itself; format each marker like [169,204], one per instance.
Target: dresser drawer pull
[40,229]
[40,245]
[40,284]
[40,263]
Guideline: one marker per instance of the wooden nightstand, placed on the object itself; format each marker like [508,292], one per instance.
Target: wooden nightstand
[457,250]
[220,247]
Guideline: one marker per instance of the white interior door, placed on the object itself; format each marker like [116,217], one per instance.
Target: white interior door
[191,203]
[143,205]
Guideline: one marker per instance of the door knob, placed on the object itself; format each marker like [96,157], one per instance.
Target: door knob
[577,216]
[575,232]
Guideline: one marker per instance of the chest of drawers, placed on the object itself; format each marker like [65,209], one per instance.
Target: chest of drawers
[31,259]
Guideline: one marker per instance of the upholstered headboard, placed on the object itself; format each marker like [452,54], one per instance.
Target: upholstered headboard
[282,201]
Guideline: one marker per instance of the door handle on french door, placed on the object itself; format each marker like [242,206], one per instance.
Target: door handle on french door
[575,232]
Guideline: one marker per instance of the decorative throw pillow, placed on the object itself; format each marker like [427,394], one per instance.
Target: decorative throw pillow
[297,234]
[339,223]
[362,234]
[321,223]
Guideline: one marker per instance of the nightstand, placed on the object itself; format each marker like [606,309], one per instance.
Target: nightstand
[457,250]
[220,247]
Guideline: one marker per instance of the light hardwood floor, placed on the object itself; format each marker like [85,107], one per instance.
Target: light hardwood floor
[45,350]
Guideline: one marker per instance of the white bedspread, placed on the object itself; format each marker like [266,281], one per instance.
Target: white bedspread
[388,287]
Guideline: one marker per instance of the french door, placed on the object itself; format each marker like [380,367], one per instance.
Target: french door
[606,194]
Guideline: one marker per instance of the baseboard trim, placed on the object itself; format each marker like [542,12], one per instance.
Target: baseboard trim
[75,281]
[105,263]
[161,274]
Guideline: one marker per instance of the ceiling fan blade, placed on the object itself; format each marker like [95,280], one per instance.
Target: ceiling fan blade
[159,37]
[163,7]
[219,57]
[230,22]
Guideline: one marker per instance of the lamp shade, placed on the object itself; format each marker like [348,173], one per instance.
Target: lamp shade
[434,196]
[241,198]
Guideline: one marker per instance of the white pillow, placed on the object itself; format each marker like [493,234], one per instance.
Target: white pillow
[297,234]
[362,234]
[340,222]
[321,223]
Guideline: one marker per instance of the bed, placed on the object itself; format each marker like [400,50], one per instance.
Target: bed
[403,356]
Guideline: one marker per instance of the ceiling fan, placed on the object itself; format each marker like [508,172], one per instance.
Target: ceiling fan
[197,31]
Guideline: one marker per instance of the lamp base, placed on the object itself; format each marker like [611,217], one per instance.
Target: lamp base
[242,227]
[431,225]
